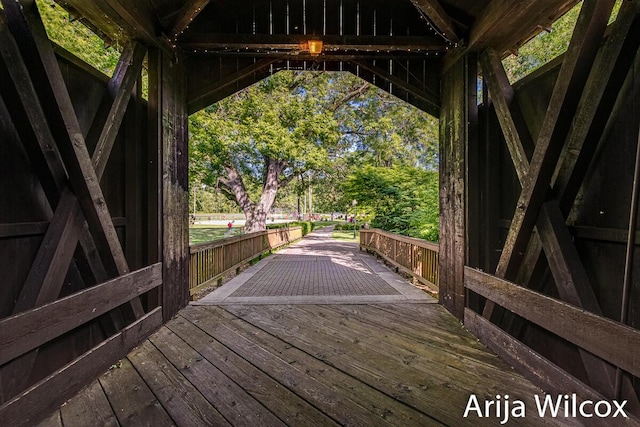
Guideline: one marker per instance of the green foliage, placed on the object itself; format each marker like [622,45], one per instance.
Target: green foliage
[77,38]
[547,45]
[402,200]
[307,226]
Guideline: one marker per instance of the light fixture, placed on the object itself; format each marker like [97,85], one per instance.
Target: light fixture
[315,47]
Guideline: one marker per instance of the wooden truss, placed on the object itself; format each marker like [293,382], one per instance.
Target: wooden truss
[32,87]
[552,171]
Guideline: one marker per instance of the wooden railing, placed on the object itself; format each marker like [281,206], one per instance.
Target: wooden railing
[210,261]
[414,256]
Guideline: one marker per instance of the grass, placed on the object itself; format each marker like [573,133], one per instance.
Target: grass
[346,235]
[208,233]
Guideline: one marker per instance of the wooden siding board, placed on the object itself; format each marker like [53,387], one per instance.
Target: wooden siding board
[38,401]
[603,337]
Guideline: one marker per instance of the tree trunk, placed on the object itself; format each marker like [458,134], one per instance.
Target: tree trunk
[256,218]
[255,213]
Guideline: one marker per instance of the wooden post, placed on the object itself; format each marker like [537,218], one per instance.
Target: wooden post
[459,110]
[167,96]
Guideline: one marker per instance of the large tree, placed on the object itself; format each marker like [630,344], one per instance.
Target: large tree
[257,141]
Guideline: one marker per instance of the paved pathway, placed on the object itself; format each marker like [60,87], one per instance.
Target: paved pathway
[317,270]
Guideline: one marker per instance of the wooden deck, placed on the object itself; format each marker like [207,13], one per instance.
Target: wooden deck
[302,365]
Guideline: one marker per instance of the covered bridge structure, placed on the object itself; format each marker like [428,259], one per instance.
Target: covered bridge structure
[539,179]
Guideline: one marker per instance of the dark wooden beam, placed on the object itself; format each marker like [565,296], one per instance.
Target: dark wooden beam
[34,404]
[323,57]
[609,235]
[28,330]
[430,100]
[438,17]
[170,121]
[208,94]
[513,126]
[458,105]
[106,125]
[23,229]
[186,15]
[564,101]
[296,42]
[128,20]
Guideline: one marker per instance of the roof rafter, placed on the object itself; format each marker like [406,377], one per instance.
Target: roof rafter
[438,17]
[186,15]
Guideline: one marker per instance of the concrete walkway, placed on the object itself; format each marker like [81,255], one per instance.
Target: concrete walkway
[317,270]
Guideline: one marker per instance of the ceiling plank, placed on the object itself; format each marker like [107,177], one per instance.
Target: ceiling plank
[297,42]
[438,17]
[431,101]
[207,95]
[186,15]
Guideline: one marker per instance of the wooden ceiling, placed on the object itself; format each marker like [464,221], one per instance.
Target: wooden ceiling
[279,28]
[401,46]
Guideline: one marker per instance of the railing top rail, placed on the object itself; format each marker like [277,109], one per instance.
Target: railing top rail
[411,240]
[223,242]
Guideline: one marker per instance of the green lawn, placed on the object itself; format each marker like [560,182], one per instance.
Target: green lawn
[207,233]
[346,235]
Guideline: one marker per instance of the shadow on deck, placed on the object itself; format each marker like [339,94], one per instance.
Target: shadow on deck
[359,347]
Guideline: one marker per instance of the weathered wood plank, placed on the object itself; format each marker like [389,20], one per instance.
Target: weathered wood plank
[136,403]
[90,407]
[290,408]
[408,385]
[435,332]
[564,101]
[603,337]
[238,407]
[342,410]
[184,404]
[432,360]
[30,329]
[30,406]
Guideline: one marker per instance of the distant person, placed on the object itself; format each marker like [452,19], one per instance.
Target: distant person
[229,225]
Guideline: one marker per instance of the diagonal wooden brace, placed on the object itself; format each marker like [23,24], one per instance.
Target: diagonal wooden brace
[25,24]
[556,125]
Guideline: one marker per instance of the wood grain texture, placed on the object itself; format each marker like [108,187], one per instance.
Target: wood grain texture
[603,337]
[30,406]
[29,330]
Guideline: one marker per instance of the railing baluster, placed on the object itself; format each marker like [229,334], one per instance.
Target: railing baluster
[417,257]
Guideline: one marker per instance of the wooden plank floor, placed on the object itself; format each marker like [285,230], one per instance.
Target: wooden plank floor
[301,365]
